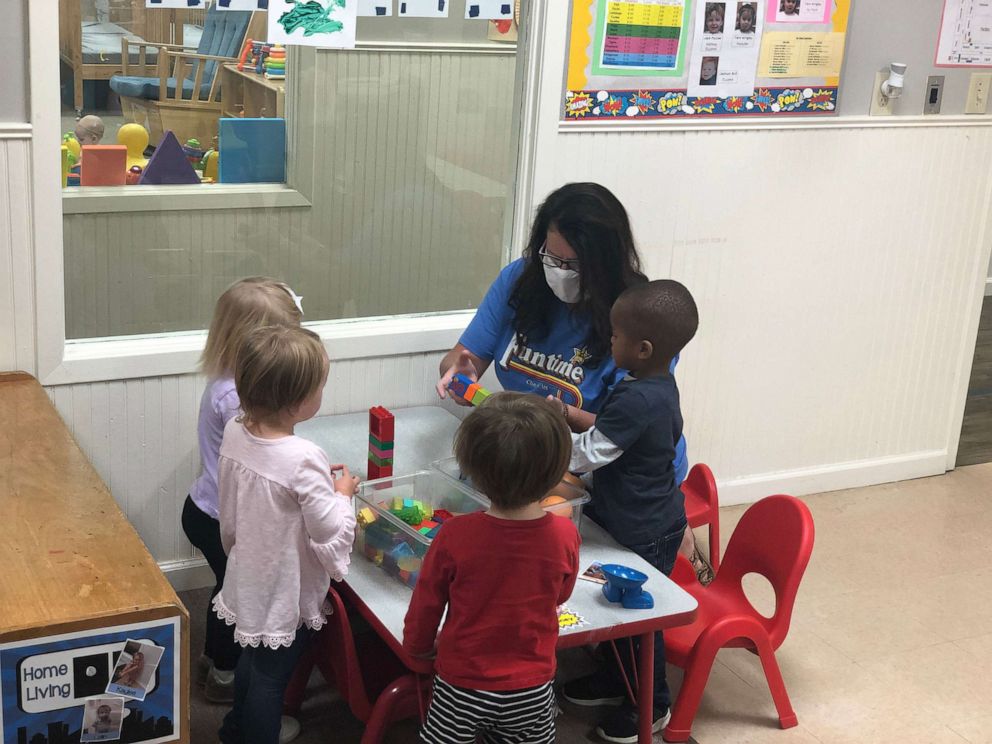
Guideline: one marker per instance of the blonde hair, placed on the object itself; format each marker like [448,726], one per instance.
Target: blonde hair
[278,368]
[245,305]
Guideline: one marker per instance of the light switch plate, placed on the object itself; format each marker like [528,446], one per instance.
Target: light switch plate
[934,95]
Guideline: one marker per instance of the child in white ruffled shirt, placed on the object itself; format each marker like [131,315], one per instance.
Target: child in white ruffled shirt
[286,527]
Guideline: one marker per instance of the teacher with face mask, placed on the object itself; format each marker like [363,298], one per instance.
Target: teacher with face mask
[545,321]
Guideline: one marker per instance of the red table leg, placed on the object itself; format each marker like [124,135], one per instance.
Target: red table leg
[645,691]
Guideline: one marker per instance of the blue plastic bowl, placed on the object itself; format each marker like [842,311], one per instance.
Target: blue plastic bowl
[623,577]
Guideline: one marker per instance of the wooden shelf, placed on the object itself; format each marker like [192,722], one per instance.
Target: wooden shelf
[250,95]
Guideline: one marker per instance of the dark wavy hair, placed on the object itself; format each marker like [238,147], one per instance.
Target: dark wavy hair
[594,223]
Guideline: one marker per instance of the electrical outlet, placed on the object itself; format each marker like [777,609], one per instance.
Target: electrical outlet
[935,94]
[880,105]
[978,93]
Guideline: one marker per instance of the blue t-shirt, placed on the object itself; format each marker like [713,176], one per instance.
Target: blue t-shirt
[556,365]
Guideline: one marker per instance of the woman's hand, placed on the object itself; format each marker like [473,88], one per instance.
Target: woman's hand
[462,365]
[346,483]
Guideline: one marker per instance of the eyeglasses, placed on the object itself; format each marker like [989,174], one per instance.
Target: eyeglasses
[554,262]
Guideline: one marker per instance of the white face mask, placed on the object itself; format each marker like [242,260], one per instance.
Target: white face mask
[564,283]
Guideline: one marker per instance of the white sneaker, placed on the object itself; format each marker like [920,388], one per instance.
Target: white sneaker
[289,729]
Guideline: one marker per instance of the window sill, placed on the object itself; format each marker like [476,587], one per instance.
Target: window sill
[102,199]
[106,359]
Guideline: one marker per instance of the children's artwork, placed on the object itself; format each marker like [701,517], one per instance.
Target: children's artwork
[640,37]
[168,166]
[488,9]
[423,8]
[135,670]
[799,11]
[594,573]
[965,34]
[723,75]
[102,719]
[252,150]
[375,8]
[328,24]
[568,620]
[801,55]
[726,42]
[242,4]
[178,4]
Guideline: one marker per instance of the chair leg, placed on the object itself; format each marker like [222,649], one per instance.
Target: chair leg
[398,701]
[292,701]
[786,715]
[697,672]
[714,538]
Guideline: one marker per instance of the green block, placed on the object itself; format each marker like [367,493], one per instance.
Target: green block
[480,397]
[381,445]
[380,461]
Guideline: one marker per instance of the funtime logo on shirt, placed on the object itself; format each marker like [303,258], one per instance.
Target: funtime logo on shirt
[548,372]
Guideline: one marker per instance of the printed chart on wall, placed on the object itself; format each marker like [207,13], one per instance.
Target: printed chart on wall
[119,683]
[676,59]
[965,34]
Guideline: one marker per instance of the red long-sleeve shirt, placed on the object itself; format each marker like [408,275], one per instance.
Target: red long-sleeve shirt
[501,581]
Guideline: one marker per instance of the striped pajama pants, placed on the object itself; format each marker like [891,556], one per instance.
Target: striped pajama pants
[460,716]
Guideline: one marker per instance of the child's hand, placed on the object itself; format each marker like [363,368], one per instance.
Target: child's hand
[346,483]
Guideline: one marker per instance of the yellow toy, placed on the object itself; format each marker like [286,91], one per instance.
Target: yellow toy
[211,162]
[75,150]
[65,166]
[135,138]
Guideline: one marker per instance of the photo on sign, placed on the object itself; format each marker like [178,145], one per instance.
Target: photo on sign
[708,70]
[135,670]
[747,17]
[714,17]
[102,719]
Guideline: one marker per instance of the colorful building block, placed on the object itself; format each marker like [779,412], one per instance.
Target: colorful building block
[465,388]
[168,166]
[440,515]
[381,424]
[66,156]
[365,517]
[381,428]
[103,165]
[375,442]
[252,150]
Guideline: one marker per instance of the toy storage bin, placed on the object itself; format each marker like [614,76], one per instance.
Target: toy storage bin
[575,498]
[381,506]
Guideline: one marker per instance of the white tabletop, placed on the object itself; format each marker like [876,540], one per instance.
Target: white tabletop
[425,434]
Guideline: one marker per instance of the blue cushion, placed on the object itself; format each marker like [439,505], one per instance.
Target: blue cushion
[148,87]
[223,34]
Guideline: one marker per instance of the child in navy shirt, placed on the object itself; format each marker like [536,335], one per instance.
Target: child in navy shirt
[631,453]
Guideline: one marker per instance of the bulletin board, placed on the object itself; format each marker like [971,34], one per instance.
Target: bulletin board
[657,59]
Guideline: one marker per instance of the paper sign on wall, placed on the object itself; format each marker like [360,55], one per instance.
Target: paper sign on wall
[175,3]
[424,8]
[242,4]
[725,48]
[965,34]
[796,55]
[798,11]
[488,9]
[329,24]
[375,8]
[640,37]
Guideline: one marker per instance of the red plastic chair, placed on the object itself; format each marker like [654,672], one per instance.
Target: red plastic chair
[379,691]
[774,539]
[702,506]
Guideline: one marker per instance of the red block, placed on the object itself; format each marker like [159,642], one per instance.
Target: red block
[441,514]
[104,165]
[379,471]
[381,424]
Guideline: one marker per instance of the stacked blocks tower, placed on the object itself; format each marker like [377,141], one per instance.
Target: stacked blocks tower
[381,431]
[275,63]
[470,391]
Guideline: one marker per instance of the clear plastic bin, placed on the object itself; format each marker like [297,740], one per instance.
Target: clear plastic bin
[574,498]
[386,508]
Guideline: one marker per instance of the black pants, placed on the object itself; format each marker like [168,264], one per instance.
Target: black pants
[204,532]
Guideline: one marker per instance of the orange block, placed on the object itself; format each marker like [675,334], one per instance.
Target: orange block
[104,165]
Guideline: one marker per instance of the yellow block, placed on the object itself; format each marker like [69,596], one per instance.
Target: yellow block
[65,166]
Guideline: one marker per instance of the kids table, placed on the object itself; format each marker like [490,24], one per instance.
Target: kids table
[424,435]
[77,584]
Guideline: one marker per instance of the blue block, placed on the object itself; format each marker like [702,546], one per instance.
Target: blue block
[252,151]
[401,551]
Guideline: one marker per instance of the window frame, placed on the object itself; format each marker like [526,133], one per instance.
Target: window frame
[103,359]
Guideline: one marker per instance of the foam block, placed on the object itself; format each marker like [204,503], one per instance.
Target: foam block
[103,165]
[252,150]
[168,166]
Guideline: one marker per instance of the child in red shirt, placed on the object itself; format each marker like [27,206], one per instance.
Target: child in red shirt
[501,574]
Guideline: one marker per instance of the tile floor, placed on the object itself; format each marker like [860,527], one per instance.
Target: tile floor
[891,637]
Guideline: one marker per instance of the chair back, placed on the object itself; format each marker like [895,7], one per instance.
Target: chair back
[774,539]
[223,34]
[344,659]
[700,483]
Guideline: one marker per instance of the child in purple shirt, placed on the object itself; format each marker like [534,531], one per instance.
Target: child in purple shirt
[246,305]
